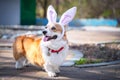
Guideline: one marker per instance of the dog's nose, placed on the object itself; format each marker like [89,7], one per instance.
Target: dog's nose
[44,32]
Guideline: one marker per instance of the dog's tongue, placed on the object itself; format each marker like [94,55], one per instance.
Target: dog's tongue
[46,38]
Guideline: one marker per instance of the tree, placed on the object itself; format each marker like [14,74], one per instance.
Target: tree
[97,8]
[43,4]
[85,8]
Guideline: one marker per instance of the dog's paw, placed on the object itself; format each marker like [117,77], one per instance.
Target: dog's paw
[52,74]
[57,71]
[18,65]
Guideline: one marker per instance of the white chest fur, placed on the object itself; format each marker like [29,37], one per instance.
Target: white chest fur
[54,58]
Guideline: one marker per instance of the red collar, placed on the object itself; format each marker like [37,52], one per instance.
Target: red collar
[56,51]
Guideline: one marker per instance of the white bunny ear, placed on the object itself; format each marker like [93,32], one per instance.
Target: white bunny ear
[51,14]
[68,16]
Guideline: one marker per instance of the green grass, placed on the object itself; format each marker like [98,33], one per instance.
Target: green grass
[87,61]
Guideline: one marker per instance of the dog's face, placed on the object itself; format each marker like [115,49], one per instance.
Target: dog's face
[52,31]
[55,30]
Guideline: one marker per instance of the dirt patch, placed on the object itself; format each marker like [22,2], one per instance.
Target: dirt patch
[105,52]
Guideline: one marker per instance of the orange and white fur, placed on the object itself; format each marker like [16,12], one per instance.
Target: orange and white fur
[49,51]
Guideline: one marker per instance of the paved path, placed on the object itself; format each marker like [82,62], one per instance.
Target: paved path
[8,72]
[84,37]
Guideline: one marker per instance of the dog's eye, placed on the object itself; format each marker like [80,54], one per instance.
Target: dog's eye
[53,28]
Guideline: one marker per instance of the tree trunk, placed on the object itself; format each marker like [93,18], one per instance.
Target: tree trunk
[57,6]
[45,8]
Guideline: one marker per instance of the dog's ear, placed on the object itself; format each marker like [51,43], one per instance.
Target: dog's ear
[68,16]
[51,14]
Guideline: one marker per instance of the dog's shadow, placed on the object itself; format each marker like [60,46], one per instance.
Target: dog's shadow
[7,70]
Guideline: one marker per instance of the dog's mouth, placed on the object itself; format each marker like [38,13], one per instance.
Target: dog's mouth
[48,38]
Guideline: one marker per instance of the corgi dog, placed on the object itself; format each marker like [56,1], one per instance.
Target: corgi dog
[49,51]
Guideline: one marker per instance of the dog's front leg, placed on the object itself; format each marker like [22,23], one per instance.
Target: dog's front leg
[56,68]
[49,69]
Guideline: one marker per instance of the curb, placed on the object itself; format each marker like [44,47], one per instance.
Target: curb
[76,55]
[98,64]
[73,42]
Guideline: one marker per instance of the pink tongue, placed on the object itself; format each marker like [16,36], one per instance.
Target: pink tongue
[46,38]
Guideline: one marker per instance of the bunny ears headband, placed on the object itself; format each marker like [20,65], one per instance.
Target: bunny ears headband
[65,18]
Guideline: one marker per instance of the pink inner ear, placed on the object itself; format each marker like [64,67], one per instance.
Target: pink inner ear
[51,13]
[66,19]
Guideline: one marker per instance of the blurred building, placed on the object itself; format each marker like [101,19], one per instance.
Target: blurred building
[16,12]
